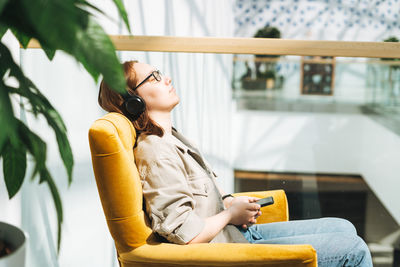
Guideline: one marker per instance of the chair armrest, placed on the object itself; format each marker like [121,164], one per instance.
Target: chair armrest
[276,212]
[220,254]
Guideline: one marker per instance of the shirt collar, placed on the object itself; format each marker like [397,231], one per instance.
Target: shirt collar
[186,146]
[181,142]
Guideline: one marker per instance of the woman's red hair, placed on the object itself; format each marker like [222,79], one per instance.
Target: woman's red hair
[111,101]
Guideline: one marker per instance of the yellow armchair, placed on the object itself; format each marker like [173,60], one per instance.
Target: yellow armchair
[111,139]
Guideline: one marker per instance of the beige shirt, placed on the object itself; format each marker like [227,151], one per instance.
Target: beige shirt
[179,189]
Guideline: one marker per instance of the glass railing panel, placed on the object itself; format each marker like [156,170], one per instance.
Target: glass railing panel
[347,84]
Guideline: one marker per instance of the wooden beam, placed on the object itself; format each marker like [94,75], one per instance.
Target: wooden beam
[298,177]
[258,46]
[394,62]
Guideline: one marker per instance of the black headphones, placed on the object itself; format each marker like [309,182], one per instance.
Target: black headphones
[134,105]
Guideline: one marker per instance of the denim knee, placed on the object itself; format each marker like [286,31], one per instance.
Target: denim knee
[351,250]
[360,254]
[340,225]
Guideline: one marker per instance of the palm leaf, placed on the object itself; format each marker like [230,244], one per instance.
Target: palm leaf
[14,167]
[122,12]
[21,37]
[37,148]
[6,114]
[96,52]
[3,30]
[46,177]
[40,104]
[57,25]
[50,52]
[2,4]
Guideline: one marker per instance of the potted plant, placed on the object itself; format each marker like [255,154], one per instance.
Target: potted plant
[393,68]
[264,80]
[392,39]
[265,73]
[269,76]
[269,66]
[395,40]
[12,246]
[63,25]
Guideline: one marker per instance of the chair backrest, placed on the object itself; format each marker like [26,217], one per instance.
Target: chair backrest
[111,140]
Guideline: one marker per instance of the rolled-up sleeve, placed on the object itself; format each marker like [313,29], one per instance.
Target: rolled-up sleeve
[169,201]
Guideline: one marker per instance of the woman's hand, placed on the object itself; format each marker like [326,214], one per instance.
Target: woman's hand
[230,200]
[253,221]
[243,212]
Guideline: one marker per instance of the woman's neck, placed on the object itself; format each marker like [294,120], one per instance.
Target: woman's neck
[163,119]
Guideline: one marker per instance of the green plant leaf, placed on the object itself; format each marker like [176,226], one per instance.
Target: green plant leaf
[3,30]
[55,122]
[61,25]
[2,4]
[96,52]
[49,51]
[72,30]
[15,71]
[37,148]
[46,177]
[34,144]
[84,3]
[13,17]
[22,38]
[120,7]
[7,122]
[122,12]
[64,25]
[14,167]
[56,25]
[40,104]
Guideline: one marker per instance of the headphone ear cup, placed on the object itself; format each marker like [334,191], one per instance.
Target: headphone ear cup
[135,106]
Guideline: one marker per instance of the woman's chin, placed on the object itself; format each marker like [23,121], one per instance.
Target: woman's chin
[177,100]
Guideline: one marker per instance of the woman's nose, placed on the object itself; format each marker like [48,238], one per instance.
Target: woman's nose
[167,79]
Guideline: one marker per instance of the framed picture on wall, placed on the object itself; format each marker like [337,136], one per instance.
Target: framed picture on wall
[317,75]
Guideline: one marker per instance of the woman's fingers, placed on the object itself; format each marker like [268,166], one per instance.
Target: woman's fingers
[252,217]
[258,214]
[254,206]
[252,214]
[250,223]
[243,213]
[253,199]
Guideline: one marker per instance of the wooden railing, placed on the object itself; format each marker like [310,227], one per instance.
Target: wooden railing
[260,46]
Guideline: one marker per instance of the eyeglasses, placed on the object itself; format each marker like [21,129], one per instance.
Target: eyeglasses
[156,74]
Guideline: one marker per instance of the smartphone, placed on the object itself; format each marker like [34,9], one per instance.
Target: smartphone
[265,201]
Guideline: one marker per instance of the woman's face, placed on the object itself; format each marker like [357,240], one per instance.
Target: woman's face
[158,95]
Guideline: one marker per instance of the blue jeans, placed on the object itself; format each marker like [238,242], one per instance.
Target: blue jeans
[334,239]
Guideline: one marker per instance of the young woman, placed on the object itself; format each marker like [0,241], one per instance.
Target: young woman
[181,197]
